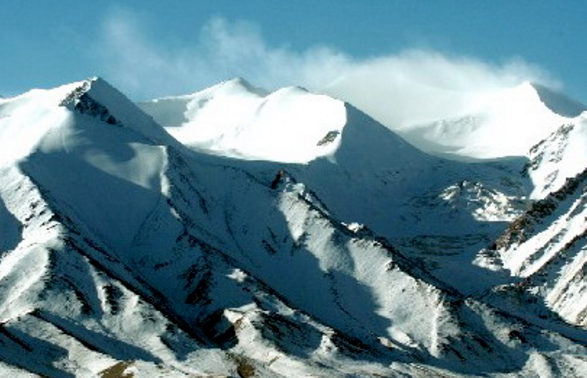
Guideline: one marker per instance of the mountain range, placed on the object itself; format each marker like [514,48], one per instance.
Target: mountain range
[237,232]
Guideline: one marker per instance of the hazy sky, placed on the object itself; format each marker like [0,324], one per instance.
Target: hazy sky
[151,48]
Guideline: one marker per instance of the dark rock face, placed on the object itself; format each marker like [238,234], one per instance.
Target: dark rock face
[80,101]
[521,228]
[329,138]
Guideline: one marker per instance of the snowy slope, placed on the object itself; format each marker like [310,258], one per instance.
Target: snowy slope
[546,248]
[546,245]
[339,151]
[560,156]
[234,119]
[125,253]
[497,124]
[362,171]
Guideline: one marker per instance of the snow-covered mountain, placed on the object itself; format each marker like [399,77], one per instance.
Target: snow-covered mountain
[290,125]
[355,165]
[324,140]
[495,124]
[562,155]
[546,246]
[257,234]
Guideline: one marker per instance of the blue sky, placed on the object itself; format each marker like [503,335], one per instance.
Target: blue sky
[154,48]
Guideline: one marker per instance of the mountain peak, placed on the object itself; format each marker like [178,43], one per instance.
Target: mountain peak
[83,87]
[527,113]
[345,252]
[237,81]
[558,102]
[288,125]
[97,98]
[293,90]
[238,84]
[82,100]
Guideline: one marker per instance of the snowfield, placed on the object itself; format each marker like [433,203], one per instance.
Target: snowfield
[290,125]
[496,124]
[239,233]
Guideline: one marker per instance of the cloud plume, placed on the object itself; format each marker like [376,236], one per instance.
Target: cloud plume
[408,86]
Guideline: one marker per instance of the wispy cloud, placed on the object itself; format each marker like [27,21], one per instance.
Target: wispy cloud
[421,85]
[222,50]
[412,84]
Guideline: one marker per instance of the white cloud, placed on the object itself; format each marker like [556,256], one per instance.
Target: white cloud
[408,86]
[416,86]
[146,68]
